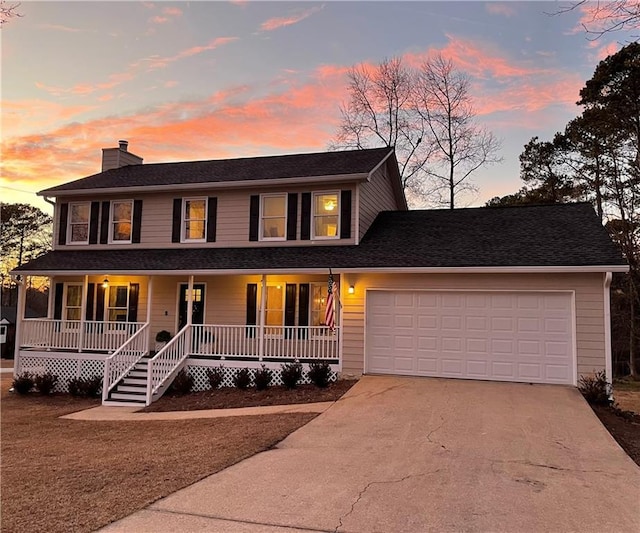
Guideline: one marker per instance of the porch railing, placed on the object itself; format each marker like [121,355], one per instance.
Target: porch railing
[291,342]
[162,365]
[118,364]
[50,334]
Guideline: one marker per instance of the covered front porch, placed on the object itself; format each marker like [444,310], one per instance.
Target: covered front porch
[109,324]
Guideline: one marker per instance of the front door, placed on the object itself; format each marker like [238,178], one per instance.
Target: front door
[197,315]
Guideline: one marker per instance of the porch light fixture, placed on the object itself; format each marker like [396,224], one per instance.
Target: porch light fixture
[351,289]
[105,283]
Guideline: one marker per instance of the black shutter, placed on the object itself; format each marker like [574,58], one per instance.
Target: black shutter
[290,310]
[305,216]
[104,223]
[93,222]
[252,311]
[303,310]
[177,219]
[254,217]
[91,291]
[212,215]
[62,223]
[134,292]
[137,221]
[292,216]
[57,301]
[100,303]
[345,215]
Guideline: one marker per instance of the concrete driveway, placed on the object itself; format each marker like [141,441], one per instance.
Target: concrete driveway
[419,455]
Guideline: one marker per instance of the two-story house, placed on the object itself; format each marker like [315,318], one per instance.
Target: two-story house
[232,257]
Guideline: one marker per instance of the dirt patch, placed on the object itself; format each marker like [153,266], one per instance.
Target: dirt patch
[76,476]
[628,400]
[624,427]
[230,397]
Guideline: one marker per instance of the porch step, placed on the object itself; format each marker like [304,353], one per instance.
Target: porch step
[123,403]
[138,373]
[135,380]
[142,388]
[128,396]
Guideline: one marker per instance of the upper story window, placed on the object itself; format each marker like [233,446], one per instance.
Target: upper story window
[326,215]
[121,221]
[79,223]
[194,219]
[273,217]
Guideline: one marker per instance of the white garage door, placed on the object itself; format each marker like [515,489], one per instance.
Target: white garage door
[503,336]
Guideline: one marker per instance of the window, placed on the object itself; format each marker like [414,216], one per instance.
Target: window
[118,303]
[73,302]
[194,219]
[318,304]
[79,223]
[273,217]
[274,306]
[121,220]
[326,214]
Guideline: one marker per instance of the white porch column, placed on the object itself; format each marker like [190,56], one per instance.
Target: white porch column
[149,303]
[187,340]
[263,302]
[21,283]
[83,312]
[50,298]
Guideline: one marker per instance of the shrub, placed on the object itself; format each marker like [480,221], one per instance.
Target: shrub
[163,336]
[263,377]
[242,378]
[215,377]
[23,383]
[45,383]
[595,389]
[182,383]
[319,373]
[291,373]
[85,387]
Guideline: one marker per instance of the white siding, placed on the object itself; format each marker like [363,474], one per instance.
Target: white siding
[375,196]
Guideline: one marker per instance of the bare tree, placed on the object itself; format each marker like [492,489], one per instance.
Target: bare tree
[443,101]
[8,11]
[607,16]
[380,112]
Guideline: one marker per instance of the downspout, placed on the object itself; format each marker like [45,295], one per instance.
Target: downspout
[608,360]
[19,318]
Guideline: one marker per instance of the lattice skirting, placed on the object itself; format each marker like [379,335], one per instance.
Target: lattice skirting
[201,382]
[65,369]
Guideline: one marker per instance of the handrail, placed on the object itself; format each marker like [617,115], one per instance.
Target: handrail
[120,362]
[161,365]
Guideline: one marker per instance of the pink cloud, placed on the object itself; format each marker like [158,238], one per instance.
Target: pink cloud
[84,89]
[500,8]
[159,20]
[170,83]
[172,11]
[59,27]
[156,62]
[280,22]
[606,50]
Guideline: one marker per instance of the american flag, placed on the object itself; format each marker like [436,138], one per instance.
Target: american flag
[329,314]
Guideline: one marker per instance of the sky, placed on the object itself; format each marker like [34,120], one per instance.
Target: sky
[204,80]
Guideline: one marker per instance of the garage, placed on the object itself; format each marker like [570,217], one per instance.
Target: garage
[523,336]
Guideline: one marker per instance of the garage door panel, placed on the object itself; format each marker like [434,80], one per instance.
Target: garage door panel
[506,336]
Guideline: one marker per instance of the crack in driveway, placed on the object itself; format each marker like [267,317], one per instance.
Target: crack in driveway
[369,485]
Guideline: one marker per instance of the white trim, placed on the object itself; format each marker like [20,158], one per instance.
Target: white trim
[112,222]
[608,357]
[357,221]
[65,294]
[571,293]
[362,270]
[298,180]
[261,215]
[283,289]
[69,224]
[315,237]
[382,162]
[183,219]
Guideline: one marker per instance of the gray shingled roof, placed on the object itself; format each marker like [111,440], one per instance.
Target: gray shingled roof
[552,236]
[230,170]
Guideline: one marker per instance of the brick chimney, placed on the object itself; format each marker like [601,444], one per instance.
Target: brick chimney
[119,157]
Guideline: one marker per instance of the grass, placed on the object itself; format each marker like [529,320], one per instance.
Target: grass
[75,476]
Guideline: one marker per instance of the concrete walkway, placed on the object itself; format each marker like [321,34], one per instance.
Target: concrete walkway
[129,413]
[421,455]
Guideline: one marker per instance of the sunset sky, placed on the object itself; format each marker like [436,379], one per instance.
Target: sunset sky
[206,80]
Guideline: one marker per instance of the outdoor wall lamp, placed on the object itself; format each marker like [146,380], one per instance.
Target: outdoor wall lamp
[352,289]
[105,283]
